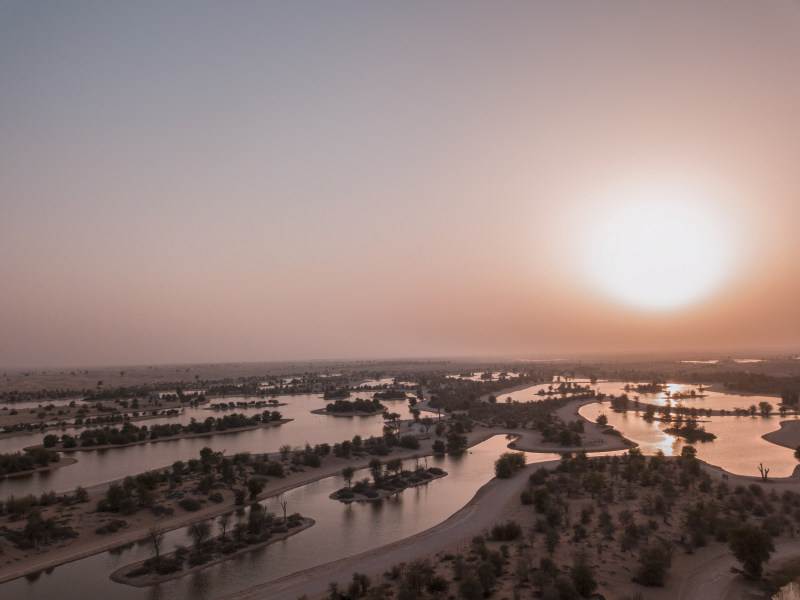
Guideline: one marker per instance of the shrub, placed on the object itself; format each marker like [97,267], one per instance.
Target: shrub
[409,441]
[189,504]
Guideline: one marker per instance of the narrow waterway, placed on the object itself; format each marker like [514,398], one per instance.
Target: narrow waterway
[738,448]
[99,466]
[341,530]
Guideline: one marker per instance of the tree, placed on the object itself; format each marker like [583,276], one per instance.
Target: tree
[508,464]
[752,546]
[426,422]
[790,397]
[655,560]
[285,450]
[224,519]
[470,587]
[347,475]
[394,465]
[797,453]
[156,538]
[765,408]
[582,575]
[602,420]
[456,443]
[255,485]
[376,469]
[198,533]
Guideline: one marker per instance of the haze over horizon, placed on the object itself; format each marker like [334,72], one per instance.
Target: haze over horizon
[193,182]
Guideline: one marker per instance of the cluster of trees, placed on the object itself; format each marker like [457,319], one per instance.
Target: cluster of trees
[16,462]
[38,530]
[565,388]
[647,495]
[690,430]
[654,387]
[508,464]
[333,393]
[389,476]
[464,394]
[391,394]
[257,529]
[130,433]
[212,471]
[241,404]
[357,405]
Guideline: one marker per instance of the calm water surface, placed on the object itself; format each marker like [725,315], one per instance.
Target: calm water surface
[341,530]
[99,466]
[738,448]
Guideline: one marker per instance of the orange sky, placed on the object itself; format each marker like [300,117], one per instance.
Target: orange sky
[188,182]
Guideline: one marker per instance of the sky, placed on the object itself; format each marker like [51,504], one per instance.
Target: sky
[246,181]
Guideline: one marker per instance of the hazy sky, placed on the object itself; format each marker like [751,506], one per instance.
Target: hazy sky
[225,181]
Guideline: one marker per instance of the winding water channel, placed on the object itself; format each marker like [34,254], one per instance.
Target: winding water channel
[341,530]
[100,466]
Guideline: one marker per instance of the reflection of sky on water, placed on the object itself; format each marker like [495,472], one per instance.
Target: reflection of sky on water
[739,447]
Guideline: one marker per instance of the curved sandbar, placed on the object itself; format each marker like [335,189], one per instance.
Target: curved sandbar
[787,436]
[120,575]
[181,436]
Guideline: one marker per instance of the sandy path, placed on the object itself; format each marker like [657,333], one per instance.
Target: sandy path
[712,579]
[488,507]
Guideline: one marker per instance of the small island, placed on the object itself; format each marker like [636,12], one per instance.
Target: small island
[690,431]
[258,530]
[347,408]
[15,464]
[391,394]
[101,438]
[384,483]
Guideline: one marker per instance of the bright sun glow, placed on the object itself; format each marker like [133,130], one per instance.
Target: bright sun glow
[658,248]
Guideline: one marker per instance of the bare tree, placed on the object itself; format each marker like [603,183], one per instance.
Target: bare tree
[224,519]
[156,538]
[199,533]
[763,470]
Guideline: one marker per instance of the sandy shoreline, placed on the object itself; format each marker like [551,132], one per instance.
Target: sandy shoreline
[787,436]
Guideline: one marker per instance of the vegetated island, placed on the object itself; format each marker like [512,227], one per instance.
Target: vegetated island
[130,435]
[355,408]
[690,431]
[272,403]
[391,394]
[384,483]
[259,530]
[16,464]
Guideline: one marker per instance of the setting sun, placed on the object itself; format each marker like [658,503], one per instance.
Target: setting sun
[659,248]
